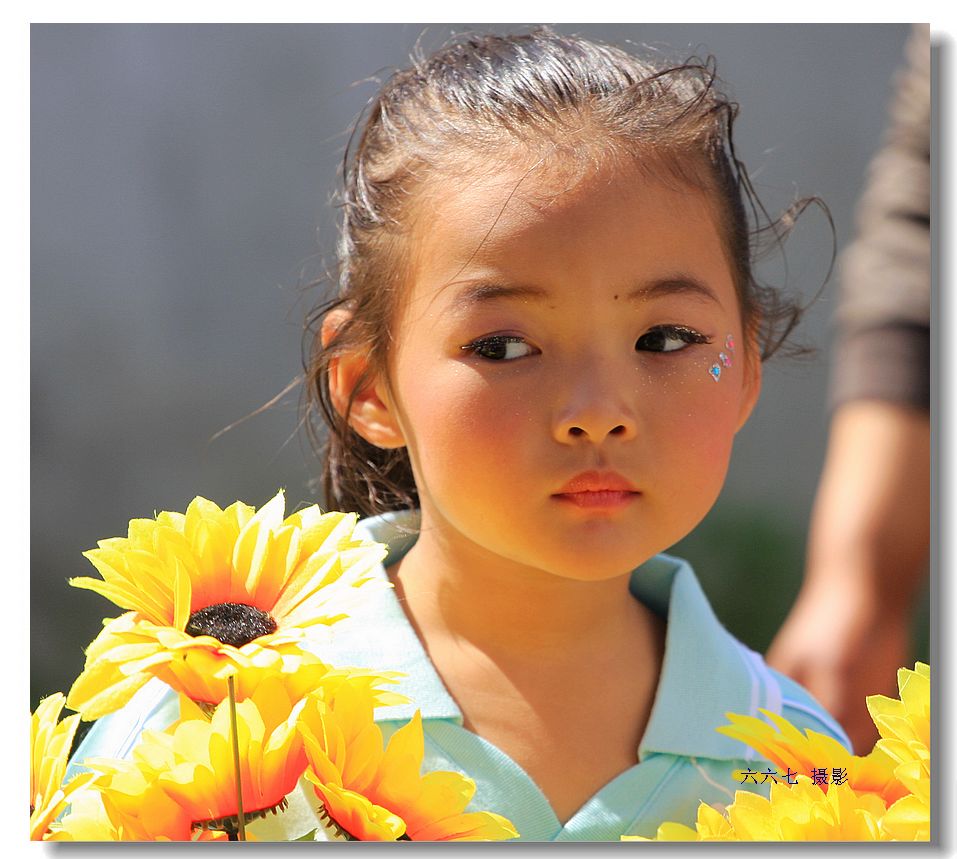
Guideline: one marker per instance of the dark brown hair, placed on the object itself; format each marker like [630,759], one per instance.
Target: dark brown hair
[479,95]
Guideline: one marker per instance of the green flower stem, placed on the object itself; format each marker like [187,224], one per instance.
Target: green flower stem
[235,735]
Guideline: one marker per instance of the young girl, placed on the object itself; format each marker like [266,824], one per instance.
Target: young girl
[546,336]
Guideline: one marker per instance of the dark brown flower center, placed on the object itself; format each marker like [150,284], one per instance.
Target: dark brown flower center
[231,623]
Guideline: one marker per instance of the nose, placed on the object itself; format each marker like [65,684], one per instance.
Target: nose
[595,412]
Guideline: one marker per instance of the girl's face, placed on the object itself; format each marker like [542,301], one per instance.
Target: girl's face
[552,374]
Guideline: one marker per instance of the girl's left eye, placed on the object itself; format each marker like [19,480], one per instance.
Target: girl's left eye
[500,347]
[669,338]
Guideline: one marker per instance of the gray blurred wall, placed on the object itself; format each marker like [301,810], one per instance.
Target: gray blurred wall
[180,184]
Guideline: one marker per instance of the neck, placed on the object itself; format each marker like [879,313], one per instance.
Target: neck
[501,607]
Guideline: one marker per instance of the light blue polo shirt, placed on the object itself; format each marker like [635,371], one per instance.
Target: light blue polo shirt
[681,759]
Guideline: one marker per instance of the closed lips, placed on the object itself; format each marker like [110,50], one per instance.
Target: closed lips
[597,490]
[597,482]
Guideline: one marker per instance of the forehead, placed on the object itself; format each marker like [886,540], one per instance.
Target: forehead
[545,219]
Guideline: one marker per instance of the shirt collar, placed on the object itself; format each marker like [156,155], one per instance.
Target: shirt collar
[706,672]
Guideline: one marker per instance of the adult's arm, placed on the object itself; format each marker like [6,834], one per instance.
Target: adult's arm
[849,630]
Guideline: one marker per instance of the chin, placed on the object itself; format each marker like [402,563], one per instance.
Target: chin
[597,563]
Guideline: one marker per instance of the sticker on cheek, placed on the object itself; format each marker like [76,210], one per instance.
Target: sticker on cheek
[724,359]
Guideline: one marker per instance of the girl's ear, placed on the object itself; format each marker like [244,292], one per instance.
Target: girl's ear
[751,390]
[372,414]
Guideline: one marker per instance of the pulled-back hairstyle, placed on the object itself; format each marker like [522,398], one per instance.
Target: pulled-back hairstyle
[490,94]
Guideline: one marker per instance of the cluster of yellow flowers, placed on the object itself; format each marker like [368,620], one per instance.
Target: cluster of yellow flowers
[219,605]
[886,796]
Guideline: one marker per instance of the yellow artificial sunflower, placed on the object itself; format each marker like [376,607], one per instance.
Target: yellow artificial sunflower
[213,593]
[182,781]
[800,812]
[373,794]
[886,796]
[904,726]
[50,742]
[785,746]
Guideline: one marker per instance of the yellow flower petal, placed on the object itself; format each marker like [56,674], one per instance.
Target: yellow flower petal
[669,832]
[908,819]
[752,819]
[347,812]
[50,742]
[907,720]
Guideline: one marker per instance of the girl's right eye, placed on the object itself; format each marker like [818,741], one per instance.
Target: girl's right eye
[500,347]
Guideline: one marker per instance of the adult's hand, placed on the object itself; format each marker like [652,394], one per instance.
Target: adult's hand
[849,630]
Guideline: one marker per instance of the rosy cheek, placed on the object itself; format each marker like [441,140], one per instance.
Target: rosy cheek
[484,420]
[460,421]
[699,417]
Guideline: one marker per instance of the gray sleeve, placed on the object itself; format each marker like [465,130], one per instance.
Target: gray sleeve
[882,324]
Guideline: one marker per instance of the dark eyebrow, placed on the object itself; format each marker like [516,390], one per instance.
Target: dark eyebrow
[482,292]
[682,284]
